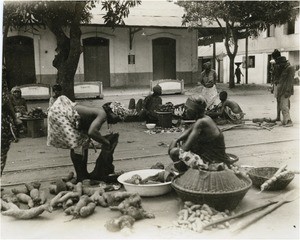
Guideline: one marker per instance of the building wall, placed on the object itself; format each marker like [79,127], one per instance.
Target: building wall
[261,48]
[121,73]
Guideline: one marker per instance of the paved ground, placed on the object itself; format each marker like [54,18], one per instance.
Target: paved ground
[31,160]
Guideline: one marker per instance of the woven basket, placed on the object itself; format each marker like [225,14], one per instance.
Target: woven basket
[260,175]
[219,189]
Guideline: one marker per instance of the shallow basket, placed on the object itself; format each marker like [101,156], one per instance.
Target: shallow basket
[219,199]
[262,174]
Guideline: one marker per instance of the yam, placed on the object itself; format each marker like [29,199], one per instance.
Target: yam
[20,190]
[28,213]
[69,210]
[22,197]
[53,201]
[43,197]
[35,195]
[69,177]
[83,201]
[88,209]
[118,224]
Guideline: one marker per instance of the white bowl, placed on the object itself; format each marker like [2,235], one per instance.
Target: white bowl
[150,125]
[145,190]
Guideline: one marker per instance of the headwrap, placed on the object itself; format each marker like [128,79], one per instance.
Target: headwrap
[15,89]
[157,89]
[196,103]
[118,109]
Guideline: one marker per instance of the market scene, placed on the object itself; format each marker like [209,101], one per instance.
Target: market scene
[150,120]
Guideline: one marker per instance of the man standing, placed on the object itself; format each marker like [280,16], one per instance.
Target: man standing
[284,75]
[238,73]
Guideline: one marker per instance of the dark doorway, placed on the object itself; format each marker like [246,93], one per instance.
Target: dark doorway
[96,60]
[19,58]
[164,58]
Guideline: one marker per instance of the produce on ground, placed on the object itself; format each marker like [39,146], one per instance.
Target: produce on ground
[197,217]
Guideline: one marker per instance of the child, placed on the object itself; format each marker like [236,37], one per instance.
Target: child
[230,110]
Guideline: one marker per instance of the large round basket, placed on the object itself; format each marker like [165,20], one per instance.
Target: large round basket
[262,174]
[220,189]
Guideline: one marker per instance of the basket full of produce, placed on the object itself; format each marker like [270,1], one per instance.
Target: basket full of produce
[35,113]
[222,189]
[271,178]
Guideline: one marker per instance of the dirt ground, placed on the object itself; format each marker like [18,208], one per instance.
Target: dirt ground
[30,159]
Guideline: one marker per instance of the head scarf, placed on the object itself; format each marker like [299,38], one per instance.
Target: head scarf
[196,103]
[157,89]
[15,89]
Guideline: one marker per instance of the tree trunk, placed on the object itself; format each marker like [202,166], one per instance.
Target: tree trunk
[231,37]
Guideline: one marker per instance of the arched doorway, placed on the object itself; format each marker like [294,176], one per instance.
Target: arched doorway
[96,60]
[164,58]
[19,59]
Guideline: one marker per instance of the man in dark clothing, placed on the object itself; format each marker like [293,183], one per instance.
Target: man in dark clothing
[284,76]
[238,74]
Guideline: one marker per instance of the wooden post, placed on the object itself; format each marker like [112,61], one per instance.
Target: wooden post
[214,56]
[246,73]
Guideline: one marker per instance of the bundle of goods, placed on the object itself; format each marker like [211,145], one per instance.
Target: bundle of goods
[35,113]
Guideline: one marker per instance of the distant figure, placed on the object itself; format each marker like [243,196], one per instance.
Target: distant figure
[238,74]
[208,79]
[18,102]
[57,91]
[151,104]
[284,75]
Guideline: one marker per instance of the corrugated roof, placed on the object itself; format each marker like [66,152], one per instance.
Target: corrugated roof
[207,51]
[149,13]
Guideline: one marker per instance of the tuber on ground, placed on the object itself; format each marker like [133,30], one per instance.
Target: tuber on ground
[26,214]
[70,210]
[88,209]
[68,195]
[35,195]
[54,201]
[88,190]
[136,213]
[68,203]
[23,198]
[43,197]
[133,200]
[83,201]
[4,205]
[19,190]
[116,198]
[78,188]
[119,223]
[69,177]
[10,198]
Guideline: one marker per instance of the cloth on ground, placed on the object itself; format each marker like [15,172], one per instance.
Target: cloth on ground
[63,121]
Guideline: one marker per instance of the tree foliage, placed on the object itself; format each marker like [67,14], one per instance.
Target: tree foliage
[64,19]
[237,19]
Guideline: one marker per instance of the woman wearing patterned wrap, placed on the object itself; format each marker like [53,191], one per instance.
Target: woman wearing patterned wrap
[203,143]
[71,126]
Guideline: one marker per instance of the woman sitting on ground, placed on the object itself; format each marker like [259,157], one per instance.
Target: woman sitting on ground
[201,144]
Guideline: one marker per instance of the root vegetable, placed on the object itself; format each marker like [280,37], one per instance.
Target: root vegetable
[19,190]
[10,198]
[54,201]
[67,196]
[35,195]
[88,209]
[134,200]
[22,197]
[68,203]
[102,202]
[206,208]
[78,188]
[43,197]
[28,213]
[70,186]
[69,210]
[69,177]
[120,223]
[58,186]
[88,191]
[137,213]
[4,205]
[96,196]
[83,201]
[116,198]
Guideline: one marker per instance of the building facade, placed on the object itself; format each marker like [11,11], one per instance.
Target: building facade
[152,45]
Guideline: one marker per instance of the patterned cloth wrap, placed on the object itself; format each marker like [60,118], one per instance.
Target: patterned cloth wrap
[119,110]
[234,116]
[194,161]
[63,122]
[211,95]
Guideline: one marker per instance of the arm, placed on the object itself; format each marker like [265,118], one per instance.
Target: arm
[183,136]
[94,130]
[195,132]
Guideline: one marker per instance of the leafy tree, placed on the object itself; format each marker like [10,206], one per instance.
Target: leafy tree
[64,19]
[237,19]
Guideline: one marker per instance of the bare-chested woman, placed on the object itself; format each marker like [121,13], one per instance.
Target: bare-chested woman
[203,138]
